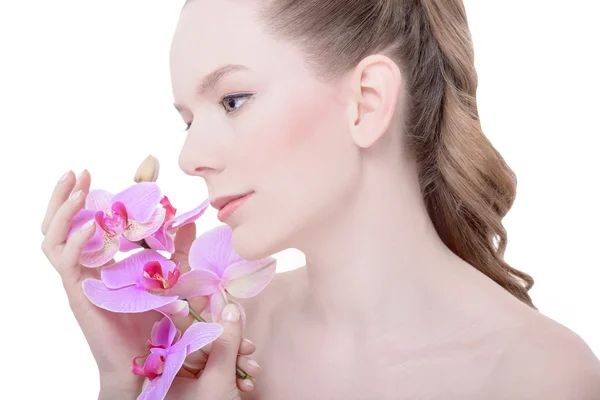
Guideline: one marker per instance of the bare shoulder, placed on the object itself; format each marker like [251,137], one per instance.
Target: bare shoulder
[547,361]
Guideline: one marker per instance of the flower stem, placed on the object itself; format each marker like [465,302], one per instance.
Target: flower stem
[242,374]
[238,371]
[195,314]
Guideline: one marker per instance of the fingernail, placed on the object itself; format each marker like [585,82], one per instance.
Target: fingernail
[231,313]
[253,363]
[248,341]
[64,177]
[88,224]
[248,383]
[81,173]
[75,195]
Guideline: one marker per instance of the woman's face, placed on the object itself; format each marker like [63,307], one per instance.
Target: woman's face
[284,138]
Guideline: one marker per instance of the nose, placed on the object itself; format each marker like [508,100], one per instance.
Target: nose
[200,154]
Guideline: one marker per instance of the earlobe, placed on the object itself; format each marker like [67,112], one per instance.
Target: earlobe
[375,86]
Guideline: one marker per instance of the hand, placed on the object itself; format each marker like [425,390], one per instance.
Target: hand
[217,376]
[114,339]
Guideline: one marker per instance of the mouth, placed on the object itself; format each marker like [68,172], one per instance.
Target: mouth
[221,202]
[229,204]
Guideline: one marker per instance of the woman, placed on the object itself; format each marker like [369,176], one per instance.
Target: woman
[353,126]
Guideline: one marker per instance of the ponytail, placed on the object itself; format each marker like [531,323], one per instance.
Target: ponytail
[467,186]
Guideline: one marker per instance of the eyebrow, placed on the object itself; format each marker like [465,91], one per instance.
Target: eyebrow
[209,82]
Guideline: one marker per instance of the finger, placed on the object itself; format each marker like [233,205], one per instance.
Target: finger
[223,355]
[72,250]
[196,361]
[245,385]
[59,195]
[184,238]
[185,372]
[246,348]
[249,366]
[61,223]
[83,181]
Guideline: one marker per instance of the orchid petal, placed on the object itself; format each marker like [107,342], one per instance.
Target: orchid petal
[150,284]
[170,243]
[153,366]
[197,336]
[98,200]
[171,211]
[95,259]
[217,303]
[126,246]
[177,334]
[80,219]
[130,299]
[136,368]
[213,250]
[156,241]
[188,217]
[163,333]
[140,200]
[248,278]
[157,388]
[129,270]
[195,283]
[139,230]
[177,308]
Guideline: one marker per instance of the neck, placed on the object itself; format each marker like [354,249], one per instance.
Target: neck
[379,261]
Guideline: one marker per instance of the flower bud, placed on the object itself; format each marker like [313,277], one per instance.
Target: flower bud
[148,170]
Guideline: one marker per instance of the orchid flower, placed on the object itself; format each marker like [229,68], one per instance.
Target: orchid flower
[163,238]
[128,216]
[217,270]
[168,350]
[141,282]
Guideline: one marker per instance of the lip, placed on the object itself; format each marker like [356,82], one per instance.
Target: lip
[221,202]
[229,205]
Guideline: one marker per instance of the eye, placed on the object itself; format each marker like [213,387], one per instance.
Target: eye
[232,100]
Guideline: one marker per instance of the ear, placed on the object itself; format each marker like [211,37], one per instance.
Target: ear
[374,88]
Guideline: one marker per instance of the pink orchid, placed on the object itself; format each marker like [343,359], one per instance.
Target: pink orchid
[143,281]
[126,217]
[217,270]
[163,238]
[168,350]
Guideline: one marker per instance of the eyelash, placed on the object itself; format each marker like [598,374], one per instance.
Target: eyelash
[229,97]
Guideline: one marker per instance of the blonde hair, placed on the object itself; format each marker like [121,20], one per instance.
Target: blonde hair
[466,184]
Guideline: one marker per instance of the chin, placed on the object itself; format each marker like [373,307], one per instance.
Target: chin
[253,245]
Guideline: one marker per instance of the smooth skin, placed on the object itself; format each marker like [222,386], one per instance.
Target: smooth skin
[383,309]
[115,339]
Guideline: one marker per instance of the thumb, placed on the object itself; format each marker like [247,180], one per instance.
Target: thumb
[223,355]
[184,238]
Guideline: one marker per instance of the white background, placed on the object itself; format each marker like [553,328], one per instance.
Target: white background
[86,85]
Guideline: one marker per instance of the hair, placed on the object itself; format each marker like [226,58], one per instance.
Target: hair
[466,184]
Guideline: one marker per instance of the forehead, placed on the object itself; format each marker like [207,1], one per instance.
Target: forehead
[212,33]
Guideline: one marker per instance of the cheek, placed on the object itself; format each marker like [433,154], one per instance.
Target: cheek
[306,157]
[304,143]
[301,161]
